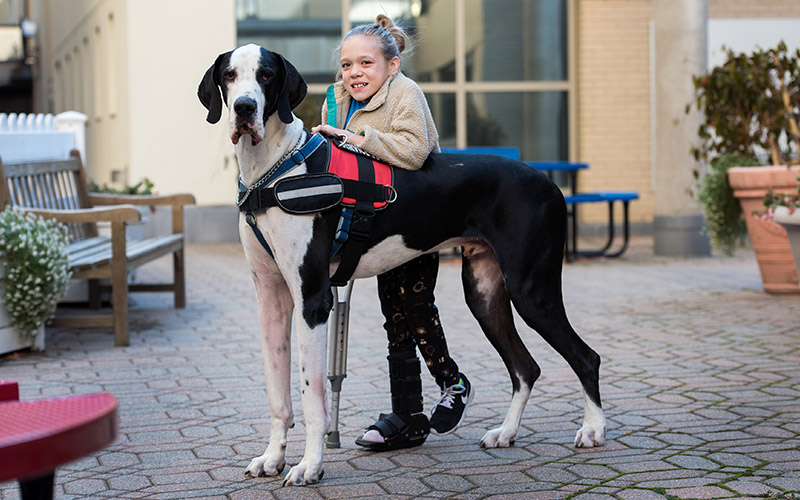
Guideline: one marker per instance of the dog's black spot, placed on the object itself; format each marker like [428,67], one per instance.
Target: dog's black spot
[307,382]
[317,297]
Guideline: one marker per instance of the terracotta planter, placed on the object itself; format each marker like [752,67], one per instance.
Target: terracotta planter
[769,239]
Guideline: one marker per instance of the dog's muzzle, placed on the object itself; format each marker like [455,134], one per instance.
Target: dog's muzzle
[246,110]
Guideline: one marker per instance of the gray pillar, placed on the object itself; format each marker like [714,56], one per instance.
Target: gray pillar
[680,53]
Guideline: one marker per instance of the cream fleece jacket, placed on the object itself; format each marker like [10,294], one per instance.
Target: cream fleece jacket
[396,122]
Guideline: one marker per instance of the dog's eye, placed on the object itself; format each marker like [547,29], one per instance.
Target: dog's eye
[263,77]
[229,75]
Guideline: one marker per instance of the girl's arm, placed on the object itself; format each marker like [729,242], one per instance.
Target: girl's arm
[411,137]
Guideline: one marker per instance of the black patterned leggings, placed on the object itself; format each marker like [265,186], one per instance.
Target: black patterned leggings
[412,319]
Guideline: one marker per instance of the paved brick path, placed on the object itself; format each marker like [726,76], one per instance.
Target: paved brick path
[700,379]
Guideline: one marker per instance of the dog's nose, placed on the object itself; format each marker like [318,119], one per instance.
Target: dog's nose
[245,106]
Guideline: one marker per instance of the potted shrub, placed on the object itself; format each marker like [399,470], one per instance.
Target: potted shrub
[33,276]
[751,110]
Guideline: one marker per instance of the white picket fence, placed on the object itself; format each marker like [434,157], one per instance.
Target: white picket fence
[41,136]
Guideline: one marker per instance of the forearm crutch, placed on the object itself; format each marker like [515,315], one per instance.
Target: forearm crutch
[338,328]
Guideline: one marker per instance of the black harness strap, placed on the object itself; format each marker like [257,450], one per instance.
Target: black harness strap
[250,218]
[360,227]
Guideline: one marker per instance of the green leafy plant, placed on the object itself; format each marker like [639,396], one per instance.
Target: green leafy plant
[33,252]
[145,186]
[721,210]
[750,102]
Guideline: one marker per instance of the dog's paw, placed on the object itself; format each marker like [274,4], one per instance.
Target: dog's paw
[265,466]
[590,437]
[303,474]
[500,437]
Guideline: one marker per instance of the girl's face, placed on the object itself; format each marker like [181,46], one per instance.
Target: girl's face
[364,69]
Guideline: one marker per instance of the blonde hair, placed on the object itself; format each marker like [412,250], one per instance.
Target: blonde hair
[393,40]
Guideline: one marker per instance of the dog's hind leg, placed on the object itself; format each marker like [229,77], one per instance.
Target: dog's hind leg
[537,298]
[486,297]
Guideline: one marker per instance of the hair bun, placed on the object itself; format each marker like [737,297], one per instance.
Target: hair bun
[384,21]
[397,32]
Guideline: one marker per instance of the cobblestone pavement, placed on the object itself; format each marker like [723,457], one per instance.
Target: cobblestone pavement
[700,380]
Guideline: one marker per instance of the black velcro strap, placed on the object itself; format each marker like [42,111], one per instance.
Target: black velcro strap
[389,425]
[359,190]
[258,199]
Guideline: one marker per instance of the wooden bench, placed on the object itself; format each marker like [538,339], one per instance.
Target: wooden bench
[57,189]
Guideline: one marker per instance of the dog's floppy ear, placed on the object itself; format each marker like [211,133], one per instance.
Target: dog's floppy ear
[292,92]
[209,92]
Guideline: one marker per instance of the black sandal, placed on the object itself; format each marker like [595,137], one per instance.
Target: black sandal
[398,432]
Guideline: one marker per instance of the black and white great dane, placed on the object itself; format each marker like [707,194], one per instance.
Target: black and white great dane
[510,219]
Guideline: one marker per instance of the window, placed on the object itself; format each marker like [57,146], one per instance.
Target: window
[496,72]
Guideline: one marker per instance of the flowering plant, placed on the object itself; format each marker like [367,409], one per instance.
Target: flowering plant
[774,200]
[33,251]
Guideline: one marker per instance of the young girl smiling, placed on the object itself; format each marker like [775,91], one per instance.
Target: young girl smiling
[376,107]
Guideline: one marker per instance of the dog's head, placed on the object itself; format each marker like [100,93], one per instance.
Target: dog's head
[255,83]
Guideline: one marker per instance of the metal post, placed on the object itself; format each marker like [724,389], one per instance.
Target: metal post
[338,329]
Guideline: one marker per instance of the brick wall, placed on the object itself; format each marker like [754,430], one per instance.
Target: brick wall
[614,92]
[614,101]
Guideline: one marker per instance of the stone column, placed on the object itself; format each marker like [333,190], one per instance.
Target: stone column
[680,53]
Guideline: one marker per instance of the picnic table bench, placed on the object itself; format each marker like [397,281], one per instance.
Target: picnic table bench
[57,189]
[574,199]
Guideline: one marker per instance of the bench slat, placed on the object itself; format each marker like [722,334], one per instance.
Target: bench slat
[136,249]
[77,246]
[100,253]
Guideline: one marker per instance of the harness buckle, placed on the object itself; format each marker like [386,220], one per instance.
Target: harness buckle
[295,158]
[392,194]
[250,219]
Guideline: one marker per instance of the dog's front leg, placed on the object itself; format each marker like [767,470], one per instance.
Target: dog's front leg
[312,342]
[314,302]
[274,317]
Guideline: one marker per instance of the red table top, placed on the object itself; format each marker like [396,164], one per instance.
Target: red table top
[38,436]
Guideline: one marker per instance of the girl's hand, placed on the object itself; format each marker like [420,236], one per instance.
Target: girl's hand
[330,131]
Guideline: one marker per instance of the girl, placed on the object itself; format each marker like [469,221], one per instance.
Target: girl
[385,113]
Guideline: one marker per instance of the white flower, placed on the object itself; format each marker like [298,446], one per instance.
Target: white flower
[33,251]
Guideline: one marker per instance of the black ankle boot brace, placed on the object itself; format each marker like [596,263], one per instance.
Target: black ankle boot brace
[405,382]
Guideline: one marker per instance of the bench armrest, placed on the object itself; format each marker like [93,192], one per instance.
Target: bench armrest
[179,199]
[118,213]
